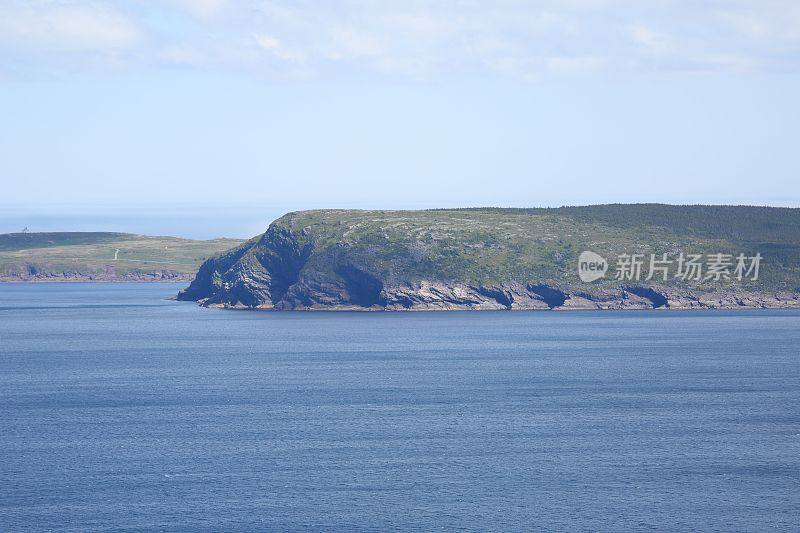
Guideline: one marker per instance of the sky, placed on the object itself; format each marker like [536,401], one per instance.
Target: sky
[205,118]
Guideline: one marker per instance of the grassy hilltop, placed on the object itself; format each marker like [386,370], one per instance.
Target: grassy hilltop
[73,256]
[391,259]
[496,244]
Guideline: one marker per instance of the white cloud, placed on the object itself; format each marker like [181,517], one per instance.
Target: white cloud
[747,24]
[651,39]
[66,27]
[278,50]
[352,43]
[268,42]
[576,65]
[201,8]
[526,39]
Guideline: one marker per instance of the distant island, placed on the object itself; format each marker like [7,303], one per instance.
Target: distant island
[103,256]
[620,256]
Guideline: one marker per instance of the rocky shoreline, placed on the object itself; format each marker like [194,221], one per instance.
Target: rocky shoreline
[430,296]
[78,277]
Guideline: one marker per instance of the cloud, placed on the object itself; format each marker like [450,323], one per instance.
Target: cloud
[61,26]
[418,39]
[652,40]
[277,49]
[201,8]
[354,43]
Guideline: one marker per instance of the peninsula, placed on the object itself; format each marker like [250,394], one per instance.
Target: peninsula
[653,256]
[103,256]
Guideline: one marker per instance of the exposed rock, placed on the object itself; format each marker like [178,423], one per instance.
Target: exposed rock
[352,261]
[39,274]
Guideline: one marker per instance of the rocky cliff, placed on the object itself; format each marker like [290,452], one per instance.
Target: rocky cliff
[504,259]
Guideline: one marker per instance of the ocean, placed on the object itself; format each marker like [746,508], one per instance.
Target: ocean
[123,410]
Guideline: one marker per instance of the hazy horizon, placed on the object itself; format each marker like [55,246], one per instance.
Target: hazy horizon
[234,221]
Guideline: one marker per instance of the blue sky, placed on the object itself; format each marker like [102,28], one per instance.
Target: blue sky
[211,117]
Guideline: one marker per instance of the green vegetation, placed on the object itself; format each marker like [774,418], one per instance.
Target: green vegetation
[10,242]
[490,245]
[91,255]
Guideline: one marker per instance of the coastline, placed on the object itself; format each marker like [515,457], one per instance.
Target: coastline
[116,279]
[750,303]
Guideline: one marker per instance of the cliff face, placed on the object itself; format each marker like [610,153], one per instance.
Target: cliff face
[477,259]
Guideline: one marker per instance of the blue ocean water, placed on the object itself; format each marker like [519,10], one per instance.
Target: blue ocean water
[120,410]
